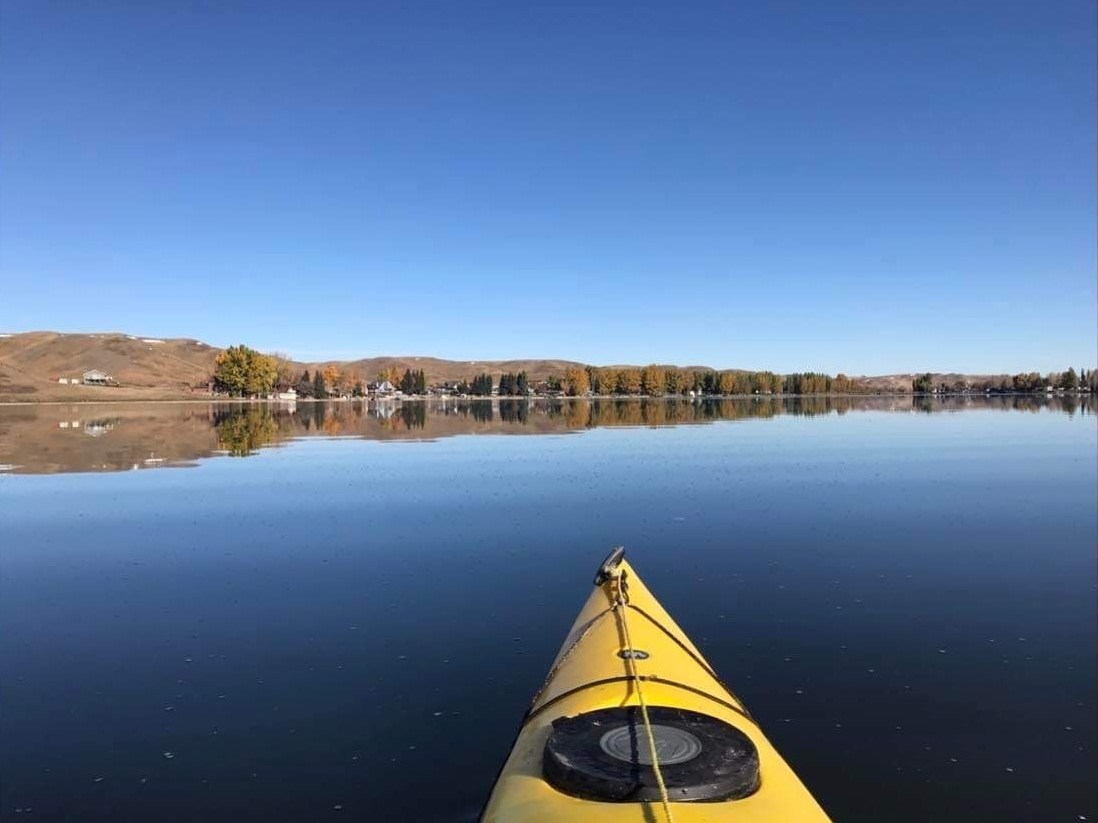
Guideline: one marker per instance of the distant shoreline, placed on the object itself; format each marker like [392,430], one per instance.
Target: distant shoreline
[535,399]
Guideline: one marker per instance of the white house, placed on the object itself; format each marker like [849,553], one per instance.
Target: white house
[95,377]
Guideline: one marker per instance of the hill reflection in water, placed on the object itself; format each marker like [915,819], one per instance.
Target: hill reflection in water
[126,436]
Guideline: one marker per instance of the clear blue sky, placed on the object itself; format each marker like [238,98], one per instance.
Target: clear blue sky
[861,187]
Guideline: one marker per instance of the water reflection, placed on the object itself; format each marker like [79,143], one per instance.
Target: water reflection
[242,432]
[82,438]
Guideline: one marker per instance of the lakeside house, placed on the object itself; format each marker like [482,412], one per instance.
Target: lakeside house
[290,395]
[446,388]
[382,389]
[95,377]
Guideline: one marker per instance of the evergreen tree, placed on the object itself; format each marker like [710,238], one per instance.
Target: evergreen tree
[319,389]
[304,386]
[481,385]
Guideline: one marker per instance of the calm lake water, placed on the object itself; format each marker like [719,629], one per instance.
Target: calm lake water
[347,620]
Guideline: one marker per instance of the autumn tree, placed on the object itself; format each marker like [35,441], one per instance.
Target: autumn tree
[240,370]
[608,380]
[332,377]
[653,380]
[284,370]
[576,381]
[629,381]
[231,369]
[351,378]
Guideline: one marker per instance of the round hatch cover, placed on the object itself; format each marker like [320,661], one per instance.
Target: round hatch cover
[673,745]
[604,755]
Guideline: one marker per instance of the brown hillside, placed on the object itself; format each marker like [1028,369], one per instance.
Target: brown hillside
[437,369]
[164,368]
[133,361]
[31,363]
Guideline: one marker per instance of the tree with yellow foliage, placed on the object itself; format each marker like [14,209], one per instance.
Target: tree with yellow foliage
[653,380]
[608,380]
[629,381]
[576,381]
[241,371]
[726,383]
[331,376]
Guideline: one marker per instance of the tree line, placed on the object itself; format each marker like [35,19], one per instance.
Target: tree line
[328,381]
[657,380]
[480,386]
[1023,382]
[514,384]
[242,371]
[413,382]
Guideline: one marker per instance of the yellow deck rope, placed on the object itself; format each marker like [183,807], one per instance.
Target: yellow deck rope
[620,605]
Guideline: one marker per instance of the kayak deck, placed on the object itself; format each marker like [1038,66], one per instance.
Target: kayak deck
[595,670]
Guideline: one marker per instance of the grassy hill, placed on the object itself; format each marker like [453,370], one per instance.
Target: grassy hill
[148,368]
[145,368]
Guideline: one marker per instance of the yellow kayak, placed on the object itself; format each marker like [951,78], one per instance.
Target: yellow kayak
[632,724]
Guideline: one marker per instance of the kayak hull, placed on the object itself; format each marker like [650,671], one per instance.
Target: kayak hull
[592,672]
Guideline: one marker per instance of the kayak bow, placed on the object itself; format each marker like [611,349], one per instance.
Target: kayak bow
[632,724]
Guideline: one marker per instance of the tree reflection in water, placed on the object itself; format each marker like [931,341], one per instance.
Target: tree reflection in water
[125,436]
[242,432]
